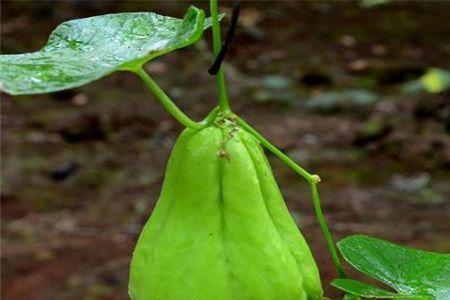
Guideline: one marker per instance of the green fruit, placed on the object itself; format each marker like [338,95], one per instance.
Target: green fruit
[221,230]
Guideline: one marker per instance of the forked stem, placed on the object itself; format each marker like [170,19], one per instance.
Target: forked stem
[168,104]
[313,181]
[224,104]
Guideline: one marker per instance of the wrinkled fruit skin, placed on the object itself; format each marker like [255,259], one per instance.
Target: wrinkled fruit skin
[221,230]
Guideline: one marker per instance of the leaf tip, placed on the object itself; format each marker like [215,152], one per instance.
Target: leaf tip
[351,238]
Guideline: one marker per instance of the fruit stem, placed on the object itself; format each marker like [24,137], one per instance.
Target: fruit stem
[224,104]
[171,107]
[313,181]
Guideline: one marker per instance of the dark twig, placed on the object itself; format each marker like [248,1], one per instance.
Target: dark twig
[228,39]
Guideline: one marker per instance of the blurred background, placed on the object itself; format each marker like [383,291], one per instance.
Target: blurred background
[357,92]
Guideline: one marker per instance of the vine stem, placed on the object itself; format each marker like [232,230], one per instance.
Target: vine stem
[313,181]
[168,104]
[224,104]
[325,229]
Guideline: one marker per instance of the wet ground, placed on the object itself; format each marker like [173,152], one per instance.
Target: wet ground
[82,169]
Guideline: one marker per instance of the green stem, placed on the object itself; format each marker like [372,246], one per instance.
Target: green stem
[171,107]
[325,229]
[224,104]
[313,181]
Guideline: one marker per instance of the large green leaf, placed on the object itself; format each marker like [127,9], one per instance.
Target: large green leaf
[83,50]
[413,273]
[365,290]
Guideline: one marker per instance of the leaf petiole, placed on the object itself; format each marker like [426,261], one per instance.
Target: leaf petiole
[313,181]
[168,104]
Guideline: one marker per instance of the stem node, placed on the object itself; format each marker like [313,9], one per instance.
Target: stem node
[315,178]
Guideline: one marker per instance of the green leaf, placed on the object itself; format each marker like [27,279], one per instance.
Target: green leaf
[350,297]
[409,271]
[365,290]
[208,21]
[83,50]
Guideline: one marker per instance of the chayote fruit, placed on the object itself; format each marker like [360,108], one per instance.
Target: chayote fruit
[221,230]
